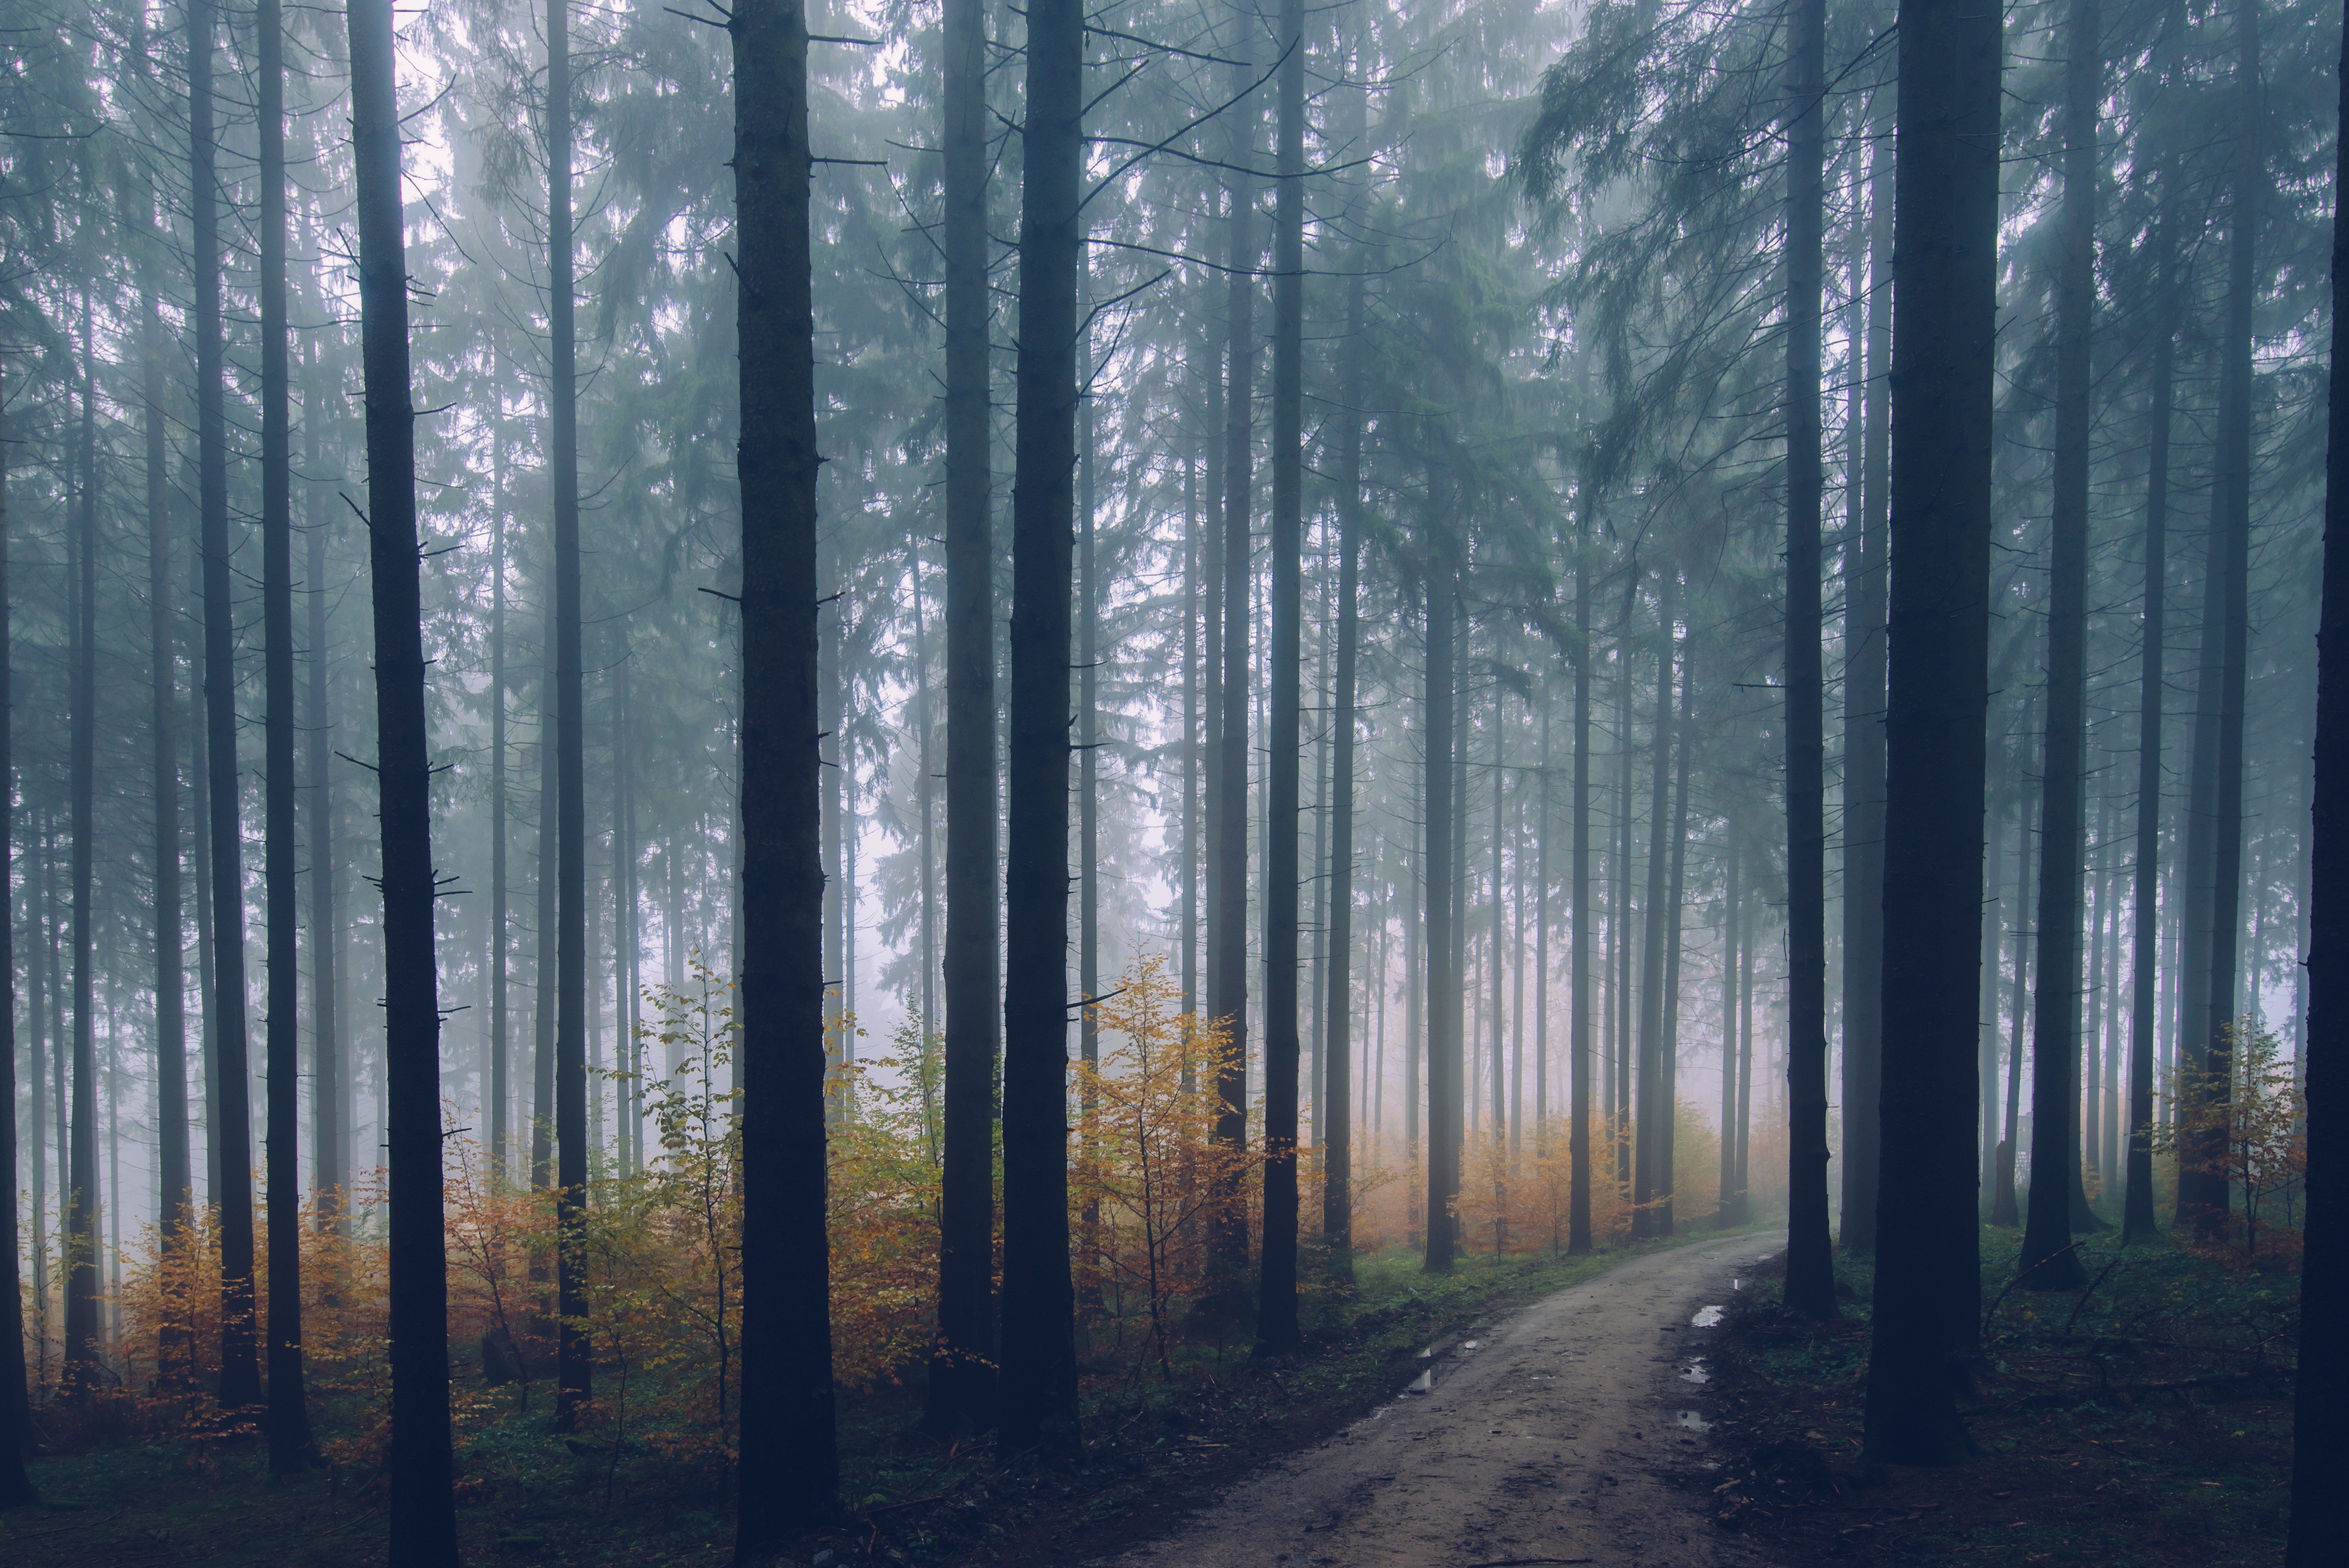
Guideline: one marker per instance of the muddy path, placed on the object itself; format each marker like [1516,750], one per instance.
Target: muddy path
[1551,1438]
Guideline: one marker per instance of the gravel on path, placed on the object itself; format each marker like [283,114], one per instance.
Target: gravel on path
[1550,1438]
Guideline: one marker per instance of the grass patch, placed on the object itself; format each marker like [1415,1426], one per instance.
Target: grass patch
[2146,1421]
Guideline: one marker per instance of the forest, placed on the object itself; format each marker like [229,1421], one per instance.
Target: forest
[936,782]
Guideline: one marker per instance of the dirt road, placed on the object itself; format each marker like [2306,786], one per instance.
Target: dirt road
[1546,1439]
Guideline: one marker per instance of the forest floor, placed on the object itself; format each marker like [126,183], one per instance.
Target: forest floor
[2144,1424]
[1157,1451]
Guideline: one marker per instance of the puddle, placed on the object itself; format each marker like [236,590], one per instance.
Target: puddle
[1470,1344]
[1691,1422]
[1422,1384]
[1695,1372]
[1706,1317]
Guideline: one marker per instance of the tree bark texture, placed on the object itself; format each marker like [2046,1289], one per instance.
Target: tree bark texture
[289,1423]
[422,1507]
[230,1128]
[2319,1443]
[1863,742]
[962,1367]
[1810,1264]
[1945,278]
[2049,1261]
[790,1467]
[1277,1326]
[1038,1401]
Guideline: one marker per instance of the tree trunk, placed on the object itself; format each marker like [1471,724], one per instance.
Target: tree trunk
[1338,1155]
[1725,1211]
[1187,968]
[1986,1008]
[1579,1060]
[421,1504]
[1227,927]
[962,1365]
[2004,1210]
[574,1361]
[2049,1261]
[790,1467]
[83,1363]
[1668,1178]
[1618,924]
[2137,1223]
[1744,1209]
[1649,1110]
[1810,1264]
[1863,744]
[2231,492]
[1945,290]
[1496,1021]
[330,1087]
[1444,1044]
[289,1420]
[1038,1397]
[175,1194]
[2320,1446]
[500,1090]
[1276,1329]
[232,1132]
[17,1438]
[541,1073]
[1541,937]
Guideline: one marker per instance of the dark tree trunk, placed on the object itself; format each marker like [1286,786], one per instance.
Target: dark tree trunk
[331,1091]
[2137,1221]
[175,1192]
[2232,495]
[1649,1110]
[1276,1329]
[1667,1178]
[1863,743]
[1496,971]
[17,1487]
[231,1128]
[541,1071]
[790,1466]
[500,1090]
[1187,914]
[289,1419]
[421,1505]
[2004,1210]
[574,1361]
[2049,1261]
[83,1199]
[1443,1053]
[1541,937]
[37,1026]
[1039,1394]
[2320,1444]
[1945,288]
[1227,923]
[1744,1186]
[1725,1211]
[1337,1154]
[1986,1007]
[1579,1060]
[1810,1260]
[1619,923]
[1089,1298]
[962,1367]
